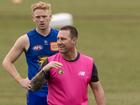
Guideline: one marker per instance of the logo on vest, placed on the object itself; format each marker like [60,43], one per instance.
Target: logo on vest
[37,47]
[45,42]
[60,71]
[53,46]
[81,73]
[41,60]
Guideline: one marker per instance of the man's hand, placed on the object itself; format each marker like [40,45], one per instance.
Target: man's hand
[52,64]
[25,83]
[40,78]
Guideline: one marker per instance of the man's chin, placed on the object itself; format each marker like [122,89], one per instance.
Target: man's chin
[61,51]
[43,27]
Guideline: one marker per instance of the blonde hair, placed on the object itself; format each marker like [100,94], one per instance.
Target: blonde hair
[41,5]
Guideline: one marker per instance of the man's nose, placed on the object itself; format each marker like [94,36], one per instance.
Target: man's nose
[41,19]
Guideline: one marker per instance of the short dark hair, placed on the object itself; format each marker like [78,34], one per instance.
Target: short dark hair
[72,29]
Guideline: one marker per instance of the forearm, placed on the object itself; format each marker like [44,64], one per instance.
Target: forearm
[38,80]
[98,93]
[99,97]
[43,75]
[11,69]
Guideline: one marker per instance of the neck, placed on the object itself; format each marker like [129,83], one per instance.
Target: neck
[71,55]
[43,32]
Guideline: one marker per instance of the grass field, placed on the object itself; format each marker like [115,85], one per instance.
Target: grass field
[108,30]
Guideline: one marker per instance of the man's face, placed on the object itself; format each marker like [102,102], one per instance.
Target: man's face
[42,18]
[65,42]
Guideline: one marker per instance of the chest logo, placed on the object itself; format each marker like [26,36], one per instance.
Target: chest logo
[81,73]
[45,42]
[37,47]
[42,60]
[60,71]
[53,46]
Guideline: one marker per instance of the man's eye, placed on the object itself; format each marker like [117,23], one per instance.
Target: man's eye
[44,16]
[60,39]
[37,17]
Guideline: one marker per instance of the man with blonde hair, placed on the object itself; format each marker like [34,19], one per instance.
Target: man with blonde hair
[37,45]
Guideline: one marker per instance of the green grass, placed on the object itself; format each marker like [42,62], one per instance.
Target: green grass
[108,31]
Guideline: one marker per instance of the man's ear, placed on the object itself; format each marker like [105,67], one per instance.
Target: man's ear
[33,19]
[50,16]
[74,40]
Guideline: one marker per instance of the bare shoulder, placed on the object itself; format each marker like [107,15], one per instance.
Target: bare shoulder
[17,49]
[23,38]
[23,41]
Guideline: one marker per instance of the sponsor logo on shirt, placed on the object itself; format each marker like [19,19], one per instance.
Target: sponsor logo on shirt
[42,60]
[60,71]
[37,47]
[45,42]
[53,46]
[81,73]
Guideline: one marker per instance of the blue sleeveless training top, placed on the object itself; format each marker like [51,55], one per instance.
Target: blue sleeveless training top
[40,48]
